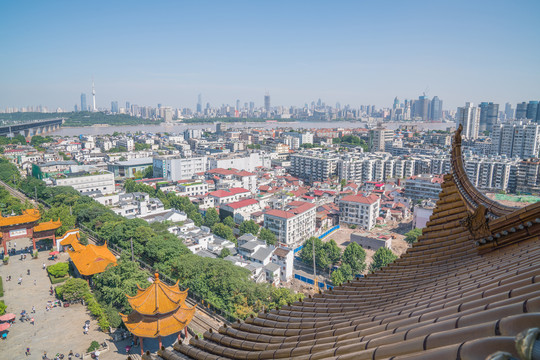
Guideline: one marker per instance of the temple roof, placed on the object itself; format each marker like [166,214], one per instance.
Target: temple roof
[28,216]
[158,298]
[91,259]
[154,326]
[48,225]
[464,290]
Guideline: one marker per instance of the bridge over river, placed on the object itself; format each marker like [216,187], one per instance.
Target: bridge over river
[37,127]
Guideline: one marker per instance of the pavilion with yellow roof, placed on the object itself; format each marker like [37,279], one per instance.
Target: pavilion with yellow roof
[90,259]
[158,311]
[26,226]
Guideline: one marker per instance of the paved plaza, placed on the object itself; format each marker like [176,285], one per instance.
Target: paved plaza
[58,330]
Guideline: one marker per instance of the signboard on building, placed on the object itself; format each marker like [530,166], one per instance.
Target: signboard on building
[17,232]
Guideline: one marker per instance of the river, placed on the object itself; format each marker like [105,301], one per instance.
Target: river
[179,127]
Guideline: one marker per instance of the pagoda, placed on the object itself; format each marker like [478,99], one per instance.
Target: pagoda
[158,311]
[26,226]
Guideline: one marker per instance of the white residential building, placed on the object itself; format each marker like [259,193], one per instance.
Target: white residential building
[359,210]
[174,169]
[192,188]
[85,182]
[224,197]
[294,224]
[285,259]
[248,162]
[127,143]
[469,117]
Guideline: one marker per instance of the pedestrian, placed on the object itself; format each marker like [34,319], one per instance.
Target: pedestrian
[33,309]
[28,351]
[35,283]
[20,281]
[32,321]
[44,266]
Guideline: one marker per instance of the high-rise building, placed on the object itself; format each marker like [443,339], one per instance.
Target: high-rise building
[114,107]
[516,139]
[267,102]
[396,103]
[83,103]
[436,109]
[508,111]
[199,104]
[378,138]
[532,111]
[521,111]
[93,97]
[421,108]
[251,106]
[489,116]
[128,107]
[469,117]
[237,104]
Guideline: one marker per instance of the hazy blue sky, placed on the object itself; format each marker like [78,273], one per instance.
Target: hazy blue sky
[355,52]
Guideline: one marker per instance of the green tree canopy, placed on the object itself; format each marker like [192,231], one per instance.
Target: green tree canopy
[249,226]
[211,217]
[224,253]
[224,231]
[73,289]
[268,236]
[382,257]
[333,251]
[58,270]
[229,221]
[355,256]
[321,256]
[412,236]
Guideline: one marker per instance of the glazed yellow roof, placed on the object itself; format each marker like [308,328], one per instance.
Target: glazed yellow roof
[70,239]
[48,225]
[91,259]
[28,216]
[158,298]
[154,326]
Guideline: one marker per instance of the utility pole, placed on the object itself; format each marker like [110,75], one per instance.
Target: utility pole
[35,193]
[314,269]
[132,256]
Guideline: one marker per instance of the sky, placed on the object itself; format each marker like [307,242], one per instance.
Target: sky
[355,52]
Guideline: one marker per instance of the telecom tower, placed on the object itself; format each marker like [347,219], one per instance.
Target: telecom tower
[93,96]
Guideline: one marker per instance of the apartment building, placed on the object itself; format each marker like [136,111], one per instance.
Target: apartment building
[192,188]
[232,195]
[86,182]
[292,225]
[127,143]
[423,187]
[174,169]
[516,139]
[528,176]
[359,210]
[314,165]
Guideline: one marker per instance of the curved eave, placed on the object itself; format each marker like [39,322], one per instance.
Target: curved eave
[154,326]
[471,196]
[158,298]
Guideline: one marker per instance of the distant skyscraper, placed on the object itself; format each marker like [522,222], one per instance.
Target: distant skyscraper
[93,97]
[83,102]
[436,108]
[128,107]
[469,117]
[237,105]
[114,107]
[199,103]
[532,111]
[421,108]
[396,103]
[267,102]
[489,116]
[521,111]
[508,111]
[251,106]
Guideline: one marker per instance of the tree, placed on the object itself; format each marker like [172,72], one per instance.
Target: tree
[224,253]
[138,175]
[321,257]
[224,231]
[249,226]
[383,256]
[58,270]
[337,278]
[211,217]
[355,256]
[268,236]
[412,236]
[73,289]
[343,183]
[148,172]
[333,252]
[229,222]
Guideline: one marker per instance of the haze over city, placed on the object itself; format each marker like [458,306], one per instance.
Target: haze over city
[349,52]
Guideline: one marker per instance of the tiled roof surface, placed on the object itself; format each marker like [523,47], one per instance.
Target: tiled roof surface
[48,225]
[242,203]
[28,216]
[463,291]
[91,259]
[158,298]
[371,199]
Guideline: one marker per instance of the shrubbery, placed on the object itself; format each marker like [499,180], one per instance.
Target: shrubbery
[58,270]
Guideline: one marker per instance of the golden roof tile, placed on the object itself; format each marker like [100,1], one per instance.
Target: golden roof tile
[91,259]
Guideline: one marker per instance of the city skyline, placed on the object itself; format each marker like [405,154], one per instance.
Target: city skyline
[352,53]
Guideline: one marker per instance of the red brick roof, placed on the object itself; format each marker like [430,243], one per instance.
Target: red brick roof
[242,203]
[225,193]
[371,199]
